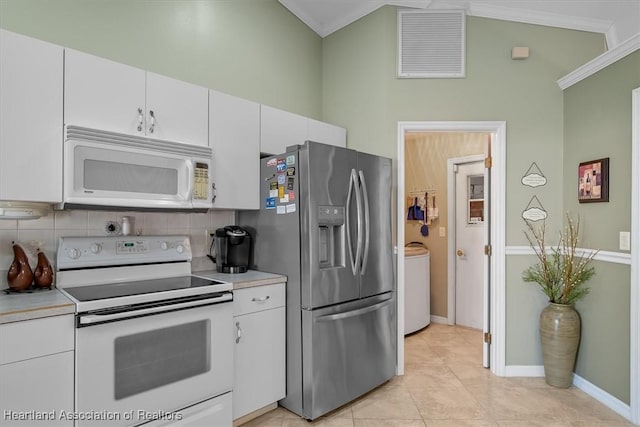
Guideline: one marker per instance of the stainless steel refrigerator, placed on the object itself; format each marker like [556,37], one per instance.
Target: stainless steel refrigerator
[325,223]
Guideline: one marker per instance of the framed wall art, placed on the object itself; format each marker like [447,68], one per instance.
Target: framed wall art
[593,181]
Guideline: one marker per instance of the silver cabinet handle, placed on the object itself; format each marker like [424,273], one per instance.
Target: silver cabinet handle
[140,119]
[153,121]
[238,332]
[261,299]
[213,192]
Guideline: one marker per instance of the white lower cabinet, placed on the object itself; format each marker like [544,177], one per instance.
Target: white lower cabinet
[36,372]
[259,376]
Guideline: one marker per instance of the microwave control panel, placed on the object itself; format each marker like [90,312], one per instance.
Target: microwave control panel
[201,181]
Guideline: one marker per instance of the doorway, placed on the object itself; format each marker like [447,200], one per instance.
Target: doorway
[467,226]
[495,328]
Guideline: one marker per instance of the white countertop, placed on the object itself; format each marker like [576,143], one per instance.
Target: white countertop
[15,307]
[243,280]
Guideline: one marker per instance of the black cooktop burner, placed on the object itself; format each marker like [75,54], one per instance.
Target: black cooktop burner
[116,290]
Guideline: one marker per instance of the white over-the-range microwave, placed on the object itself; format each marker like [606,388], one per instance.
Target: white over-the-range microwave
[106,169]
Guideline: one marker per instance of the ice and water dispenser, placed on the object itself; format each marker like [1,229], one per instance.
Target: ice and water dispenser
[332,236]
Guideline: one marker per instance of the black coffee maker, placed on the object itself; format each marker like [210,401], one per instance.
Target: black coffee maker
[233,247]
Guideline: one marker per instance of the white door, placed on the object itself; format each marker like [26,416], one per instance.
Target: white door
[177,111]
[234,137]
[469,238]
[103,94]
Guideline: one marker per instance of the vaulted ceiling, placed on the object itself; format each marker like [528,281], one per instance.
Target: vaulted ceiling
[618,20]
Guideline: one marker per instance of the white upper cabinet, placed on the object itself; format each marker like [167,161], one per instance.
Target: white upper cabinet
[111,96]
[30,119]
[327,133]
[176,110]
[103,94]
[280,129]
[234,136]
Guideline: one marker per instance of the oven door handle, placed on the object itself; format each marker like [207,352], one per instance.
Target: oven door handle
[92,319]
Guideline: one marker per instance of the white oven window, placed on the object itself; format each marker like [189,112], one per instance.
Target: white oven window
[155,358]
[114,176]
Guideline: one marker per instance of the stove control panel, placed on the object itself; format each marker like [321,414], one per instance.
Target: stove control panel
[83,252]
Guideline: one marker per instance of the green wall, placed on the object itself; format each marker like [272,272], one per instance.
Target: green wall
[597,114]
[255,49]
[361,92]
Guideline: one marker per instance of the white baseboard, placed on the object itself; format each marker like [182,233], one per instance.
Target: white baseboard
[602,396]
[438,319]
[524,371]
[592,390]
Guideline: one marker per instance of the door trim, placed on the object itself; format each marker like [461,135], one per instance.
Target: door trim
[451,238]
[498,129]
[634,369]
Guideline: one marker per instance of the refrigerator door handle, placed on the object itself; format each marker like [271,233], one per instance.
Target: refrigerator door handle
[352,183]
[353,313]
[367,227]
[358,259]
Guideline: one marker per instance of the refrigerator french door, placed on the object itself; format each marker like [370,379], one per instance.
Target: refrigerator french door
[325,223]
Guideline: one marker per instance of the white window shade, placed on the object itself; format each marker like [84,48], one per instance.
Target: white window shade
[431,44]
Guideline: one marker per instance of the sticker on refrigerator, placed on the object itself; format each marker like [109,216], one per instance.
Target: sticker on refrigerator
[270,203]
[291,208]
[272,162]
[291,160]
[290,183]
[273,193]
[273,186]
[291,171]
[284,199]
[292,196]
[281,178]
[280,192]
[281,167]
[281,210]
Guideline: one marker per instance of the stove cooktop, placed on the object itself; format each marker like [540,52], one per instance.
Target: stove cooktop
[139,287]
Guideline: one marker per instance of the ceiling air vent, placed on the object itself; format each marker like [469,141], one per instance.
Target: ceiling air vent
[431,44]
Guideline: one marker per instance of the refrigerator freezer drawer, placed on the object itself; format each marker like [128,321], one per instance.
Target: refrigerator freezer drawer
[348,350]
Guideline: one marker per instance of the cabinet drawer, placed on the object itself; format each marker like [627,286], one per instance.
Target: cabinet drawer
[35,338]
[258,298]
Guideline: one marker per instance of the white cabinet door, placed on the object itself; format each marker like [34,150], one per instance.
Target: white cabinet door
[30,119]
[327,133]
[43,385]
[260,361]
[279,129]
[180,110]
[234,136]
[103,94]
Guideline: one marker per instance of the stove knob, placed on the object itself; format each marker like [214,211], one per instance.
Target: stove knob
[179,249]
[96,248]
[74,253]
[164,246]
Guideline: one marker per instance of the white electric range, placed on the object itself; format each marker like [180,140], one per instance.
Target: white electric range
[154,344]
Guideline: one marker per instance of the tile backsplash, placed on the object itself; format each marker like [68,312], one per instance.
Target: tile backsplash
[44,232]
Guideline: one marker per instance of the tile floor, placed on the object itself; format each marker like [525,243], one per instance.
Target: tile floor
[445,385]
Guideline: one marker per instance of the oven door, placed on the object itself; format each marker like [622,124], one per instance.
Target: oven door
[130,371]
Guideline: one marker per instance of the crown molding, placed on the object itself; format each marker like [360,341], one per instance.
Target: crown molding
[623,49]
[360,12]
[539,18]
[367,7]
[294,7]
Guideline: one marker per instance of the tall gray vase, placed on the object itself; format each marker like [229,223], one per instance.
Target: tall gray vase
[560,336]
